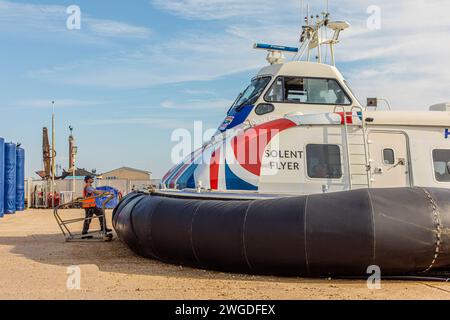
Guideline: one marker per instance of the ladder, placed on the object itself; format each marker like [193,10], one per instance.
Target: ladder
[355,136]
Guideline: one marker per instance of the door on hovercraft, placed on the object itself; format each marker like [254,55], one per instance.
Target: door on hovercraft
[389,160]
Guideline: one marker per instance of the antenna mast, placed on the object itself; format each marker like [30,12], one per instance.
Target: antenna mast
[308,27]
[302,13]
[312,34]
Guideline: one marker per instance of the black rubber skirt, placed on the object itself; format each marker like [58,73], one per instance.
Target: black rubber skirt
[402,231]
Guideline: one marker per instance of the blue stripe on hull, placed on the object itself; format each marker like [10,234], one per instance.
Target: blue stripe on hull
[174,173]
[236,183]
[187,179]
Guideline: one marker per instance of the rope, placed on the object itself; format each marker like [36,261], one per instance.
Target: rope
[439,227]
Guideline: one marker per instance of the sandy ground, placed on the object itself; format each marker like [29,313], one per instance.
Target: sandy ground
[34,259]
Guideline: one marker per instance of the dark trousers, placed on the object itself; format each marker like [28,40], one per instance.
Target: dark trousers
[90,214]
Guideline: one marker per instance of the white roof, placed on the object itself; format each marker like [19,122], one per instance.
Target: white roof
[409,118]
[128,169]
[302,68]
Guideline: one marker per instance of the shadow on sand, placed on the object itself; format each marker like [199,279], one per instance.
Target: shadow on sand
[113,257]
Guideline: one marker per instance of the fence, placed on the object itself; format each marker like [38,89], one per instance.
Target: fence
[65,188]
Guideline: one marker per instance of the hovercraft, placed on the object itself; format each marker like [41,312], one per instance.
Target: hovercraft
[302,180]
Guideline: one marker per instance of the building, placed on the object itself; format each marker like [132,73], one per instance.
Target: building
[80,174]
[126,173]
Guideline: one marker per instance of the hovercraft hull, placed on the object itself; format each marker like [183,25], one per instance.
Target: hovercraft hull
[403,231]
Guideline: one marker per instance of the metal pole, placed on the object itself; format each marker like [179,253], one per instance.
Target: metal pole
[307,22]
[29,191]
[333,61]
[72,158]
[53,155]
[73,179]
[302,16]
[319,51]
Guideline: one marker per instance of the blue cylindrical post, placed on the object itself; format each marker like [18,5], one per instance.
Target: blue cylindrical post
[10,178]
[20,179]
[2,177]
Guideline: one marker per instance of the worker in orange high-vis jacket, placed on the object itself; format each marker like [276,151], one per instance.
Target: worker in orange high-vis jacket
[90,206]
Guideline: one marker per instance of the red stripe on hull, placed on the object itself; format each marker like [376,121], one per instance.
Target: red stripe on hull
[214,170]
[346,117]
[254,141]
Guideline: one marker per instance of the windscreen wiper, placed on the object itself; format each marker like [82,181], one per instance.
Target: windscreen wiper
[257,94]
[235,101]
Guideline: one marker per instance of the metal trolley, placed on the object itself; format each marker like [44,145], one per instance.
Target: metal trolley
[64,225]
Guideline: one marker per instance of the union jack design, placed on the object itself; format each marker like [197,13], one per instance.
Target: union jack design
[235,163]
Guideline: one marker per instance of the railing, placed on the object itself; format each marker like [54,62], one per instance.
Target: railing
[64,224]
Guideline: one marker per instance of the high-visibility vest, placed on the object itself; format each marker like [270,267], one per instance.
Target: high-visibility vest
[88,201]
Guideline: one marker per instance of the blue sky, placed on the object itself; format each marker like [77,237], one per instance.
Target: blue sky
[139,69]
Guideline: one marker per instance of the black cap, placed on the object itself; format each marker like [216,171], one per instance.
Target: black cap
[87,178]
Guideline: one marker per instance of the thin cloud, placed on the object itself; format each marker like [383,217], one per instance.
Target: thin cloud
[137,69]
[112,28]
[406,51]
[42,18]
[29,104]
[62,103]
[196,92]
[219,104]
[223,9]
[406,61]
[150,121]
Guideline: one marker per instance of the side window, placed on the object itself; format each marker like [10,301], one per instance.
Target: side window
[264,108]
[295,91]
[307,91]
[389,157]
[324,161]
[441,159]
[275,93]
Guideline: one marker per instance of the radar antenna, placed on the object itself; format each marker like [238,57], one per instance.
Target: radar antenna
[275,53]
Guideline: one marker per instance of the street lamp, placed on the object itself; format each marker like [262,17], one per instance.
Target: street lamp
[73,152]
[52,189]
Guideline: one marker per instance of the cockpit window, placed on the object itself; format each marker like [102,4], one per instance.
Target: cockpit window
[252,93]
[307,91]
